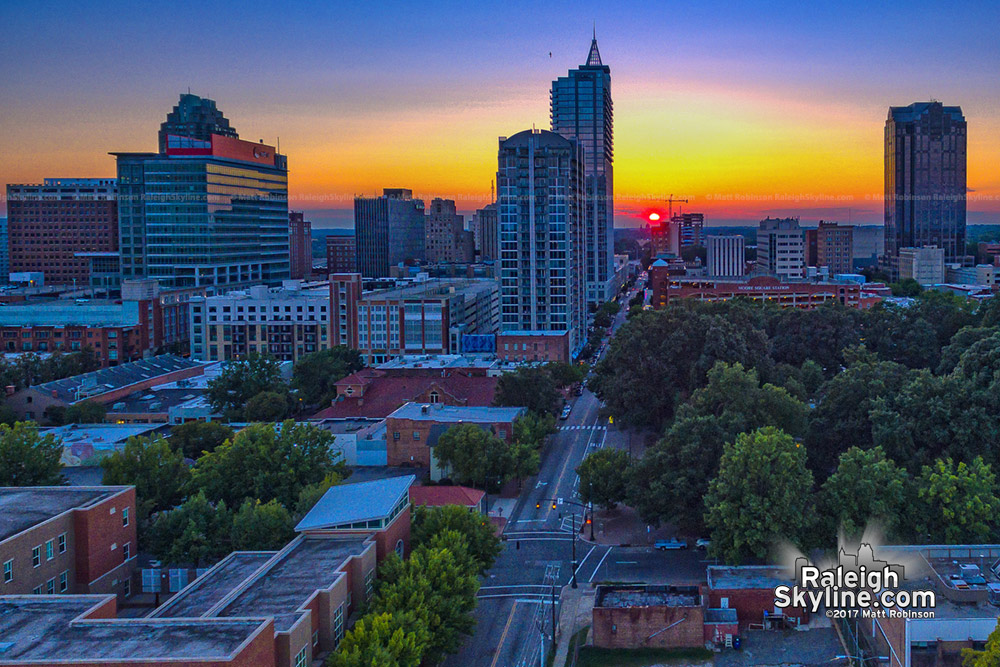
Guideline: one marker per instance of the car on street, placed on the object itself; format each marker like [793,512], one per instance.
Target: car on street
[702,543]
[670,545]
[579,390]
[565,411]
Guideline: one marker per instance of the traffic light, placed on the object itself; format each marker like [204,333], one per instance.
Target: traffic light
[538,506]
[553,504]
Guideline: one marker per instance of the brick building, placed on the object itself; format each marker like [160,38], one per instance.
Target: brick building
[667,288]
[341,253]
[749,589]
[299,245]
[629,617]
[49,224]
[413,430]
[445,237]
[831,245]
[517,346]
[67,540]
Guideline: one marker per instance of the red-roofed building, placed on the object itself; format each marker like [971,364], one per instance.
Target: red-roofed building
[438,496]
[375,393]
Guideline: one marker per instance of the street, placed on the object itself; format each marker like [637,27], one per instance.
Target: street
[515,611]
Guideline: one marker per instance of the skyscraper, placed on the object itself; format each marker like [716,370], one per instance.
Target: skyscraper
[299,245]
[195,117]
[484,226]
[925,180]
[446,239]
[389,230]
[781,248]
[55,226]
[540,181]
[204,212]
[581,109]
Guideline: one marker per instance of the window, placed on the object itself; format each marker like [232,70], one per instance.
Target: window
[62,543]
[126,549]
[395,435]
[125,517]
[50,587]
[64,581]
[435,397]
[302,658]
[369,585]
[49,550]
[338,625]
[416,435]
[399,548]
[37,590]
[128,587]
[315,638]
[36,556]
[8,571]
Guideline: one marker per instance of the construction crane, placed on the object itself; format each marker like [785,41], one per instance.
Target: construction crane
[670,206]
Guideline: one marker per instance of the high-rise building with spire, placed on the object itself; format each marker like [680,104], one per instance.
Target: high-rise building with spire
[581,109]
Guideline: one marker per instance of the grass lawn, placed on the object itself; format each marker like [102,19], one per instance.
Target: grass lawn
[640,657]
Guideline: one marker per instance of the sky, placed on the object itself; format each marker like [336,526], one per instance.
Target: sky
[745,109]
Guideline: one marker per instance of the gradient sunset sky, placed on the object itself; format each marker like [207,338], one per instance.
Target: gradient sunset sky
[746,109]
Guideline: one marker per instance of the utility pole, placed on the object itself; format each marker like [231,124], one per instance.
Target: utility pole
[553,589]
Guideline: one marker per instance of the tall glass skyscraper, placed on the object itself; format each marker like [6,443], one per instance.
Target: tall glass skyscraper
[539,209]
[925,180]
[581,109]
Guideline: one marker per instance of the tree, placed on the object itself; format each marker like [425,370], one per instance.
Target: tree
[267,406]
[475,456]
[84,412]
[760,496]
[957,503]
[959,343]
[564,374]
[386,640]
[989,656]
[315,374]
[310,495]
[604,477]
[867,487]
[531,429]
[524,460]
[243,379]
[530,387]
[261,527]
[435,588]
[906,287]
[27,458]
[820,335]
[266,462]
[155,468]
[197,437]
[197,532]
[480,537]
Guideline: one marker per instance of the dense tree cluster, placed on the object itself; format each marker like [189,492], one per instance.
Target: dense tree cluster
[888,413]
[423,606]
[28,458]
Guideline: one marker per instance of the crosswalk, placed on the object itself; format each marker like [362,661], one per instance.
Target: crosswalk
[580,427]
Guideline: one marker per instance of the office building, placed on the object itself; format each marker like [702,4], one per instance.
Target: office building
[4,250]
[726,256]
[831,245]
[204,212]
[341,253]
[980,274]
[389,230]
[65,540]
[49,225]
[581,110]
[487,234]
[195,117]
[446,239]
[299,245]
[690,229]
[540,207]
[925,180]
[925,265]
[287,322]
[781,248]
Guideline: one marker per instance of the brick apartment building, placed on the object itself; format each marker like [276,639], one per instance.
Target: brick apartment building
[49,224]
[252,609]
[413,430]
[67,540]
[341,253]
[519,346]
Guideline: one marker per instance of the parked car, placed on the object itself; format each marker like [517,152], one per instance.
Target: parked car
[668,545]
[579,390]
[702,543]
[565,411]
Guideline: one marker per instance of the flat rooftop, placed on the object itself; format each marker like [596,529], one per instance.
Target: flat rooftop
[439,412]
[154,400]
[45,629]
[102,381]
[623,597]
[208,590]
[99,434]
[722,577]
[24,507]
[432,289]
[440,361]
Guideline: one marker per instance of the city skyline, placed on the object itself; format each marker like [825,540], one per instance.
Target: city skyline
[733,103]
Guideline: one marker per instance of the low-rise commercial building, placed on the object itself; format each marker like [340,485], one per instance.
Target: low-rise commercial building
[631,617]
[412,431]
[749,589]
[65,540]
[667,289]
[533,346]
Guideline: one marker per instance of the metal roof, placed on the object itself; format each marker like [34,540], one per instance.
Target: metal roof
[352,503]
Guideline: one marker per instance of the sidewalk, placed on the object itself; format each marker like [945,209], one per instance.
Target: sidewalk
[575,612]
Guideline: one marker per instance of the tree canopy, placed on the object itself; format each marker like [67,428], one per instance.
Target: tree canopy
[28,458]
[155,468]
[243,379]
[604,477]
[315,374]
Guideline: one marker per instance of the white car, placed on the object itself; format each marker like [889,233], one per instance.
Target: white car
[702,543]
[565,411]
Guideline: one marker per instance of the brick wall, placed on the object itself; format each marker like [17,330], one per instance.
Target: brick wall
[98,529]
[634,627]
[410,448]
[750,604]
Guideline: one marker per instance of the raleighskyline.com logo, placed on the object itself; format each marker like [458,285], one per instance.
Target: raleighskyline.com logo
[860,586]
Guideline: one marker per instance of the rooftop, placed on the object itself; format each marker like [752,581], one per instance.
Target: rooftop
[155,401]
[439,412]
[49,629]
[97,435]
[434,288]
[440,361]
[623,597]
[534,332]
[24,507]
[91,385]
[724,577]
[384,393]
[436,496]
[208,590]
[355,503]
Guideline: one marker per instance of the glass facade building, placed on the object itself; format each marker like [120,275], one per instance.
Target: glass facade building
[581,109]
[540,209]
[925,180]
[204,213]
